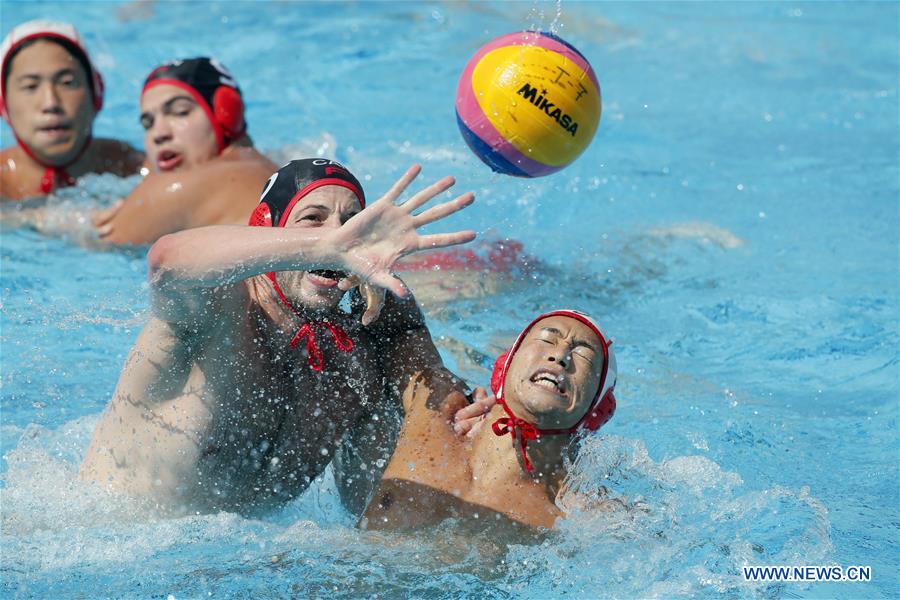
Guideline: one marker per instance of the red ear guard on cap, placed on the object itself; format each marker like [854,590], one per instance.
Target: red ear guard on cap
[228,109]
[597,416]
[602,408]
[99,90]
[498,372]
[600,414]
[262,216]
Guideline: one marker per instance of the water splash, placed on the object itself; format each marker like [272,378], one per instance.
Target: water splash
[665,514]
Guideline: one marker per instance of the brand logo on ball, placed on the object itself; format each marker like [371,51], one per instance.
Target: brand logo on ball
[558,83]
[543,103]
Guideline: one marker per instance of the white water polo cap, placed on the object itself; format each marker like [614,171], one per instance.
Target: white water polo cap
[51,30]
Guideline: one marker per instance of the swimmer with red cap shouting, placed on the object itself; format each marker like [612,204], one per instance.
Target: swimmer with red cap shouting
[204,168]
[50,94]
[555,382]
[251,370]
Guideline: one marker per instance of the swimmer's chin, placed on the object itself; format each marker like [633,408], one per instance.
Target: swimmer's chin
[318,295]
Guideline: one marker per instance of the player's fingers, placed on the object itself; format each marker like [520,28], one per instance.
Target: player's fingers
[389,282]
[443,240]
[348,283]
[444,209]
[439,186]
[401,184]
[375,298]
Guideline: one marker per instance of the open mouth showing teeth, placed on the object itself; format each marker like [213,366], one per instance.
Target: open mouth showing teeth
[550,382]
[328,274]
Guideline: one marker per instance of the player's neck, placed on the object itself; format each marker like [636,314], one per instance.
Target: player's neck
[499,459]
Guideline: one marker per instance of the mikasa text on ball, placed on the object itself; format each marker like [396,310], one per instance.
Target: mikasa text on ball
[528,104]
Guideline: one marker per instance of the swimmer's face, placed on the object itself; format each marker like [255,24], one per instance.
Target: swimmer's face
[177,133]
[49,102]
[327,207]
[555,373]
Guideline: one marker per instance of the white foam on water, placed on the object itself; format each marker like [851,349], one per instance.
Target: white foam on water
[661,515]
[665,515]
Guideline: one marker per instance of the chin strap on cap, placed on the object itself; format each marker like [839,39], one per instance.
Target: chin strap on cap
[316,359]
[602,406]
[527,432]
[284,189]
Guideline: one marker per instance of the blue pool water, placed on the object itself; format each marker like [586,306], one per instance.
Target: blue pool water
[734,225]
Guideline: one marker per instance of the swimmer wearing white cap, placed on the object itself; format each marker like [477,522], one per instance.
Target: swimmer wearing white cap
[50,94]
[250,375]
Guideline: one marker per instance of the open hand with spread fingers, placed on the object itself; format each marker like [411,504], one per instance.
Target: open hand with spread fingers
[373,240]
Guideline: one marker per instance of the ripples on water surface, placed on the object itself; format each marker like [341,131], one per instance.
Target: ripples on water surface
[734,226]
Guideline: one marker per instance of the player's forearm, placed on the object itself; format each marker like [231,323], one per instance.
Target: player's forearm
[225,254]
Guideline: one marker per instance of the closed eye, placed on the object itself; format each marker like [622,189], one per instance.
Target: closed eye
[584,354]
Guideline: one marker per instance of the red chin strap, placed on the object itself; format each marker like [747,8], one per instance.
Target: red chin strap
[316,359]
[601,409]
[510,425]
[55,176]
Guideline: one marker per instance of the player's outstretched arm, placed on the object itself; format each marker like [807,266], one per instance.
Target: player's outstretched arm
[184,264]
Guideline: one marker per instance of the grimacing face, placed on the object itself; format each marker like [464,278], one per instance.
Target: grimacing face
[177,132]
[329,206]
[554,373]
[49,102]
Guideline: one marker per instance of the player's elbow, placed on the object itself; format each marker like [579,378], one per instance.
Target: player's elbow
[161,258]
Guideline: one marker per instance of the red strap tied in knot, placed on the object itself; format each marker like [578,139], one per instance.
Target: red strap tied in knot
[509,425]
[52,175]
[55,175]
[316,359]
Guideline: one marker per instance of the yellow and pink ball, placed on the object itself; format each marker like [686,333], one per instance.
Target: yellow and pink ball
[528,104]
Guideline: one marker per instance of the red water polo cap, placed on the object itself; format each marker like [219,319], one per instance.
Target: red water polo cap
[601,409]
[284,189]
[213,87]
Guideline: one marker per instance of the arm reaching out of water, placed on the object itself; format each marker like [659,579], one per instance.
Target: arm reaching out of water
[185,265]
[247,344]
[410,361]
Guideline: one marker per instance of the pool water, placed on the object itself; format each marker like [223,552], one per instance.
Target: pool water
[734,226]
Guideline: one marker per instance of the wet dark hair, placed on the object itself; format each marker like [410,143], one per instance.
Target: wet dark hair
[66,45]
